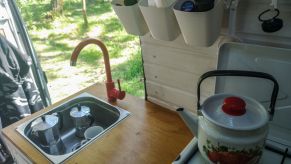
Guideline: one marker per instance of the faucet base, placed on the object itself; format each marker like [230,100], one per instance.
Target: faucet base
[112,93]
[109,87]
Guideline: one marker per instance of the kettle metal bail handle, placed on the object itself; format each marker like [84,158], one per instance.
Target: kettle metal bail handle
[241,73]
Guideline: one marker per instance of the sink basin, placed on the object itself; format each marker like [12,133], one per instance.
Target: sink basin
[104,114]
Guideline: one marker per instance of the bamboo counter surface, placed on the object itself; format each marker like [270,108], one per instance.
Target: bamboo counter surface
[151,134]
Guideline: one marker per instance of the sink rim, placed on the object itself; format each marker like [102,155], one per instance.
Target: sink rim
[61,158]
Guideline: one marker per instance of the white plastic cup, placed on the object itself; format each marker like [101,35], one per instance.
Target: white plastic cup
[92,131]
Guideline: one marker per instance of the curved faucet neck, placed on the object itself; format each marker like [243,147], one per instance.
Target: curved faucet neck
[104,50]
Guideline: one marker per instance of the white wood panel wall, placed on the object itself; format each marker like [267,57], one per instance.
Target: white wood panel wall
[172,70]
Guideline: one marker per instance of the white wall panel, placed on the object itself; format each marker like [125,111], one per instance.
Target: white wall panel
[177,79]
[172,70]
[171,96]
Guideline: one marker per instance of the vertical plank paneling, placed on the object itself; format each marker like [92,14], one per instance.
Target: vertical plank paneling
[172,70]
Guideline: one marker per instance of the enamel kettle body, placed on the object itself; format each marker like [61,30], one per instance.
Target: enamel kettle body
[231,128]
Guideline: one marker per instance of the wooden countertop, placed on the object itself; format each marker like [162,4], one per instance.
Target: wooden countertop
[152,134]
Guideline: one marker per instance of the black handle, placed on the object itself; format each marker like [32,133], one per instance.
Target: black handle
[266,11]
[241,73]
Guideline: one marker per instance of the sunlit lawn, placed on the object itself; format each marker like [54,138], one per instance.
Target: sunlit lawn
[55,38]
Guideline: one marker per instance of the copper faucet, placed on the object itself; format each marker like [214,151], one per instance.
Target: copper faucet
[112,92]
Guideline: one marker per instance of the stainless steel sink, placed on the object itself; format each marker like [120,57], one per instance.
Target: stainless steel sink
[104,114]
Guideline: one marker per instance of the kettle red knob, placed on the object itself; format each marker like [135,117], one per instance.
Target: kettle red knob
[234,106]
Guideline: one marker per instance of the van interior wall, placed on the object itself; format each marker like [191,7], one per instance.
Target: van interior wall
[173,68]
[13,29]
[249,27]
[6,27]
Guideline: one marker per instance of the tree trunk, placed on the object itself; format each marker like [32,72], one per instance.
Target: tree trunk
[57,6]
[85,13]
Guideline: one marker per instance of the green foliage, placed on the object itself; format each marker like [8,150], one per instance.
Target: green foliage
[55,36]
[131,74]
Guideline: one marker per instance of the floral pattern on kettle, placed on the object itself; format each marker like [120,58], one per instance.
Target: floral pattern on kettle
[228,155]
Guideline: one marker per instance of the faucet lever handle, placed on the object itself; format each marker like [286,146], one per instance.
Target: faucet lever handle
[119,86]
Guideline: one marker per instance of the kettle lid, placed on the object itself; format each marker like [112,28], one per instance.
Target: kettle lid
[44,122]
[235,112]
[80,111]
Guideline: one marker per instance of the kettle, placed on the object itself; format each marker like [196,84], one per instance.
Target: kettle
[82,119]
[45,130]
[231,128]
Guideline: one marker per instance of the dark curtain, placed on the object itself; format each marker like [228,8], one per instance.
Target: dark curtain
[19,96]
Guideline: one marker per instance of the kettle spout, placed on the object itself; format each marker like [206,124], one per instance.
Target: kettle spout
[190,119]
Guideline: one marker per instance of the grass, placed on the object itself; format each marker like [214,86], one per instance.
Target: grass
[55,36]
[131,72]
